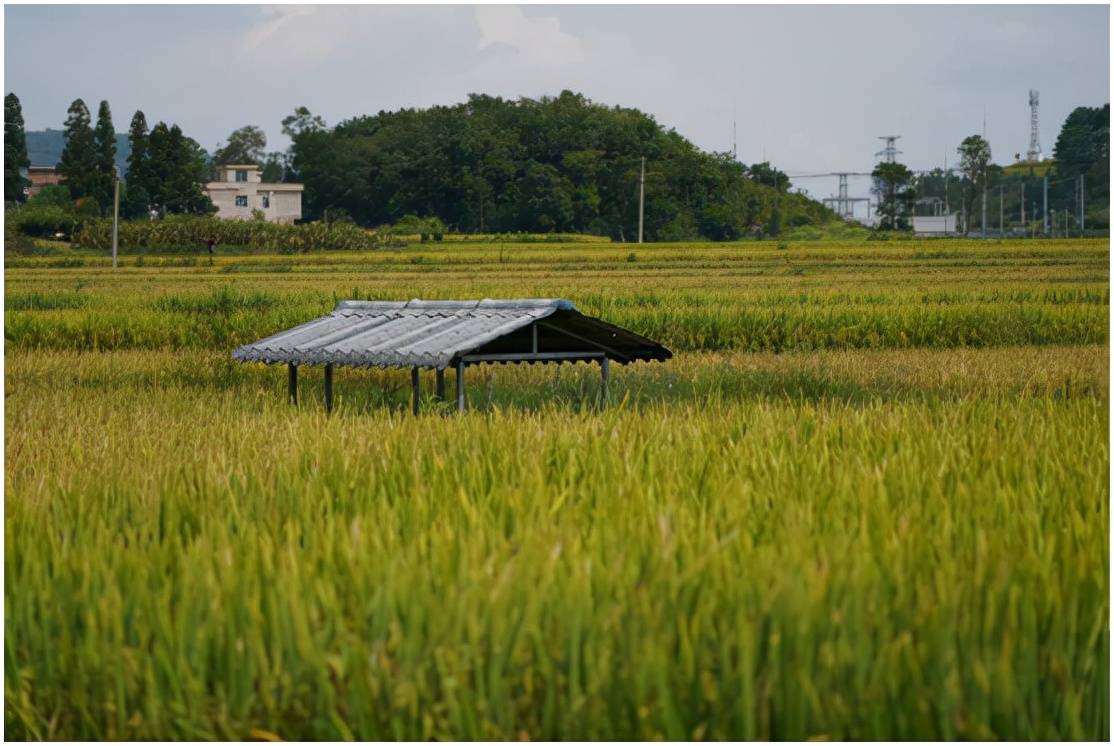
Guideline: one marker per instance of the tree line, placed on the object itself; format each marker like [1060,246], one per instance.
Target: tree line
[1081,151]
[554,164]
[165,174]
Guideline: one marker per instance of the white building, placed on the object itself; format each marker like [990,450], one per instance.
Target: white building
[241,189]
[934,225]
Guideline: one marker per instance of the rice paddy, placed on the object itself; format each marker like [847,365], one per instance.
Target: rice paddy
[867,499]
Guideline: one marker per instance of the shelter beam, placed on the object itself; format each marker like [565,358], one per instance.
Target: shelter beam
[585,340]
[415,393]
[292,382]
[328,388]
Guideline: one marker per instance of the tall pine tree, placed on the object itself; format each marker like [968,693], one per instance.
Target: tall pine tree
[15,150]
[138,181]
[104,143]
[78,166]
[176,172]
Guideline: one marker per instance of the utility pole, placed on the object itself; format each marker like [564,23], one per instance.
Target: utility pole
[946,174]
[641,197]
[1002,210]
[1023,206]
[984,203]
[1082,198]
[115,215]
[1044,210]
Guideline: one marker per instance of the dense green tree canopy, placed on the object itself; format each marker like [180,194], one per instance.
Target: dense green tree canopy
[555,164]
[245,145]
[78,166]
[892,186]
[104,143]
[15,150]
[137,176]
[175,170]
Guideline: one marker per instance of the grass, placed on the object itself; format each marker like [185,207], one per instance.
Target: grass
[873,537]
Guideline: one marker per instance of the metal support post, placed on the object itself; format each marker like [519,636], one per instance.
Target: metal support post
[415,393]
[440,386]
[460,385]
[292,382]
[328,388]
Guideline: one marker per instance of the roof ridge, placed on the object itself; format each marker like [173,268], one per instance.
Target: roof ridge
[494,304]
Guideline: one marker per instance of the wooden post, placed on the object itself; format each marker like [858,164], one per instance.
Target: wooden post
[292,382]
[328,388]
[460,385]
[415,393]
[605,376]
[440,384]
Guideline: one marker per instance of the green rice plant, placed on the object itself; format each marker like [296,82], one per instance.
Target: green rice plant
[867,499]
[188,557]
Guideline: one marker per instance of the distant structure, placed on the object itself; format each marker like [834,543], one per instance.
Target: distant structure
[844,204]
[1034,154]
[934,225]
[890,152]
[41,176]
[240,189]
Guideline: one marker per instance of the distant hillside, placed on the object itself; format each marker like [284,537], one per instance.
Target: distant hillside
[563,165]
[44,148]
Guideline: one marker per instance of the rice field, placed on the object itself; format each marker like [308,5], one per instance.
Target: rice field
[867,499]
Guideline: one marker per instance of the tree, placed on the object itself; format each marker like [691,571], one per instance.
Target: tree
[246,145]
[274,167]
[974,158]
[1083,140]
[895,195]
[78,166]
[104,143]
[15,151]
[137,176]
[176,168]
[553,164]
[301,121]
[766,174]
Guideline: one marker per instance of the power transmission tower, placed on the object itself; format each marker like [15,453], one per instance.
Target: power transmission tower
[1034,153]
[890,152]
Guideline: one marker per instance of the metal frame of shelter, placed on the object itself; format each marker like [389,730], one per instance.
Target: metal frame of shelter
[449,334]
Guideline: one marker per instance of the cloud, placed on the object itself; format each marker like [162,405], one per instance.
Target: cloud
[538,40]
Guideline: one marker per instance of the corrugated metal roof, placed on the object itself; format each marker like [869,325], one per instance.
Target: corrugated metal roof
[434,333]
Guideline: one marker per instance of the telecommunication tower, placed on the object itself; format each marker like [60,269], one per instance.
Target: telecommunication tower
[890,152]
[1034,153]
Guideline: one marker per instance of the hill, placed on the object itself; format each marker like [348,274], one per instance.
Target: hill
[44,148]
[561,164]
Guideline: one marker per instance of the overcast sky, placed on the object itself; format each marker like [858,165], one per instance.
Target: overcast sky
[811,87]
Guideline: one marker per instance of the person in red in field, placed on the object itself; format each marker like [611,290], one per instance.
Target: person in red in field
[211,243]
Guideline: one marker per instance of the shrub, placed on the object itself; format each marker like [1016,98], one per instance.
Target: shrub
[187,232]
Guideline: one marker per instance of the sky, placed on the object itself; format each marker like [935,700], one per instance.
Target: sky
[810,88]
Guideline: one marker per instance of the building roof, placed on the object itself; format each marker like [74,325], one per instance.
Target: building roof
[259,186]
[436,334]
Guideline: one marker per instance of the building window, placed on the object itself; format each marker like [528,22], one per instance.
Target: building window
[241,175]
[241,200]
[266,201]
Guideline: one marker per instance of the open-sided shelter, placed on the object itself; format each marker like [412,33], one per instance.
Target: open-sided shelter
[443,334]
